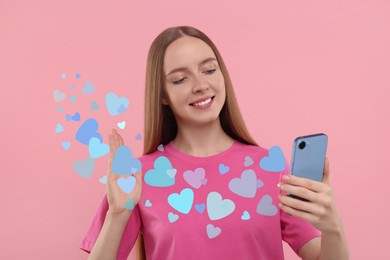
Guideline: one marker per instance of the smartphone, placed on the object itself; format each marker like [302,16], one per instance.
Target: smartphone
[308,156]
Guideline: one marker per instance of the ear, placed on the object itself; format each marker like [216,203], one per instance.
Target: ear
[164,101]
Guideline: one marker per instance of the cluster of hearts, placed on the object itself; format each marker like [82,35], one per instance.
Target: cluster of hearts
[87,133]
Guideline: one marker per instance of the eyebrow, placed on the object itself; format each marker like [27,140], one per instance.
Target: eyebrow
[184,68]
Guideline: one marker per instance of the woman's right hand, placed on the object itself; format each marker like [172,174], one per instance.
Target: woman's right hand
[117,198]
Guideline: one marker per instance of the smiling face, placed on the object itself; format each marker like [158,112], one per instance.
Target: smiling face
[194,85]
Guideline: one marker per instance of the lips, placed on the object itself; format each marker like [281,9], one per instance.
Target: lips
[202,102]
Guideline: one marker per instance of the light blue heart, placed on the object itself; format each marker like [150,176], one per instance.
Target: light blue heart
[246,186]
[223,168]
[218,208]
[114,103]
[59,128]
[172,217]
[148,204]
[182,202]
[248,161]
[126,184]
[265,207]
[63,75]
[103,179]
[158,176]
[60,109]
[122,125]
[96,148]
[138,137]
[73,98]
[245,215]
[77,75]
[65,145]
[58,95]
[94,106]
[88,88]
[129,204]
[275,161]
[84,168]
[124,162]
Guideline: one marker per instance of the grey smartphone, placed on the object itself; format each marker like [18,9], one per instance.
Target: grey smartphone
[308,156]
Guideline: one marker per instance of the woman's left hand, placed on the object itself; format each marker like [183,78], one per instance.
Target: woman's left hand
[319,209]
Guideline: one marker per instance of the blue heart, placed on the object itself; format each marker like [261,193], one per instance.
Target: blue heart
[148,204]
[124,163]
[66,145]
[223,168]
[63,75]
[97,148]
[77,76]
[200,207]
[158,177]
[116,105]
[245,215]
[126,184]
[72,98]
[88,130]
[275,161]
[172,217]
[94,106]
[88,88]
[75,117]
[129,204]
[182,202]
[84,168]
[59,128]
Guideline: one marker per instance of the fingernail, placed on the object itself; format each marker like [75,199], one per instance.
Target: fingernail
[278,185]
[285,177]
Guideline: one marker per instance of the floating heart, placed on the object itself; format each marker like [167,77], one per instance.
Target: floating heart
[65,145]
[138,137]
[59,128]
[182,202]
[246,186]
[121,125]
[265,206]
[194,178]
[275,161]
[124,162]
[84,168]
[113,103]
[172,217]
[158,176]
[223,168]
[245,215]
[126,184]
[148,204]
[200,207]
[97,148]
[88,88]
[94,106]
[72,98]
[58,96]
[75,117]
[63,75]
[103,179]
[71,87]
[88,130]
[129,204]
[60,109]
[248,161]
[212,231]
[218,208]
[77,76]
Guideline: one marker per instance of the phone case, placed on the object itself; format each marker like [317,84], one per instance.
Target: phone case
[308,156]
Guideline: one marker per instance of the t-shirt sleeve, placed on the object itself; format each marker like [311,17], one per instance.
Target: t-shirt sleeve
[129,235]
[295,231]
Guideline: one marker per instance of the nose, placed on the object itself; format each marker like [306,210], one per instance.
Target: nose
[199,85]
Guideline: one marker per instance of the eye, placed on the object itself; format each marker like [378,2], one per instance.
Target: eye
[179,81]
[210,71]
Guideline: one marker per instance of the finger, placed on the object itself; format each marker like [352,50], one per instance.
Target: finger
[299,191]
[302,182]
[305,215]
[300,205]
[326,172]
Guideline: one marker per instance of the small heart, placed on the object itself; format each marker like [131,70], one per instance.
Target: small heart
[58,96]
[116,105]
[88,88]
[77,76]
[148,204]
[84,168]
[259,183]
[138,137]
[200,208]
[60,109]
[265,207]
[212,231]
[248,161]
[94,106]
[160,148]
[72,98]
[223,168]
[129,204]
[121,125]
[88,130]
[72,87]
[245,215]
[59,128]
[66,145]
[171,173]
[126,184]
[103,179]
[96,148]
[75,117]
[172,217]
[63,75]
[121,109]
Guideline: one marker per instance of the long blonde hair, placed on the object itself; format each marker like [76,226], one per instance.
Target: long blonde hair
[160,126]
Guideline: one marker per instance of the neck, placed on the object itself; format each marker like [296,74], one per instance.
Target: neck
[202,141]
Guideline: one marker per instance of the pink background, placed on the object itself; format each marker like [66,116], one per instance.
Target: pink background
[298,67]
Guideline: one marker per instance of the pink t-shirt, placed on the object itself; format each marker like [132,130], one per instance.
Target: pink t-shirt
[218,207]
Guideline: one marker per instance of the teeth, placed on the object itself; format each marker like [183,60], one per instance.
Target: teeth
[202,103]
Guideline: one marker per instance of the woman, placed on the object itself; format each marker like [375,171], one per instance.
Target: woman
[204,194]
